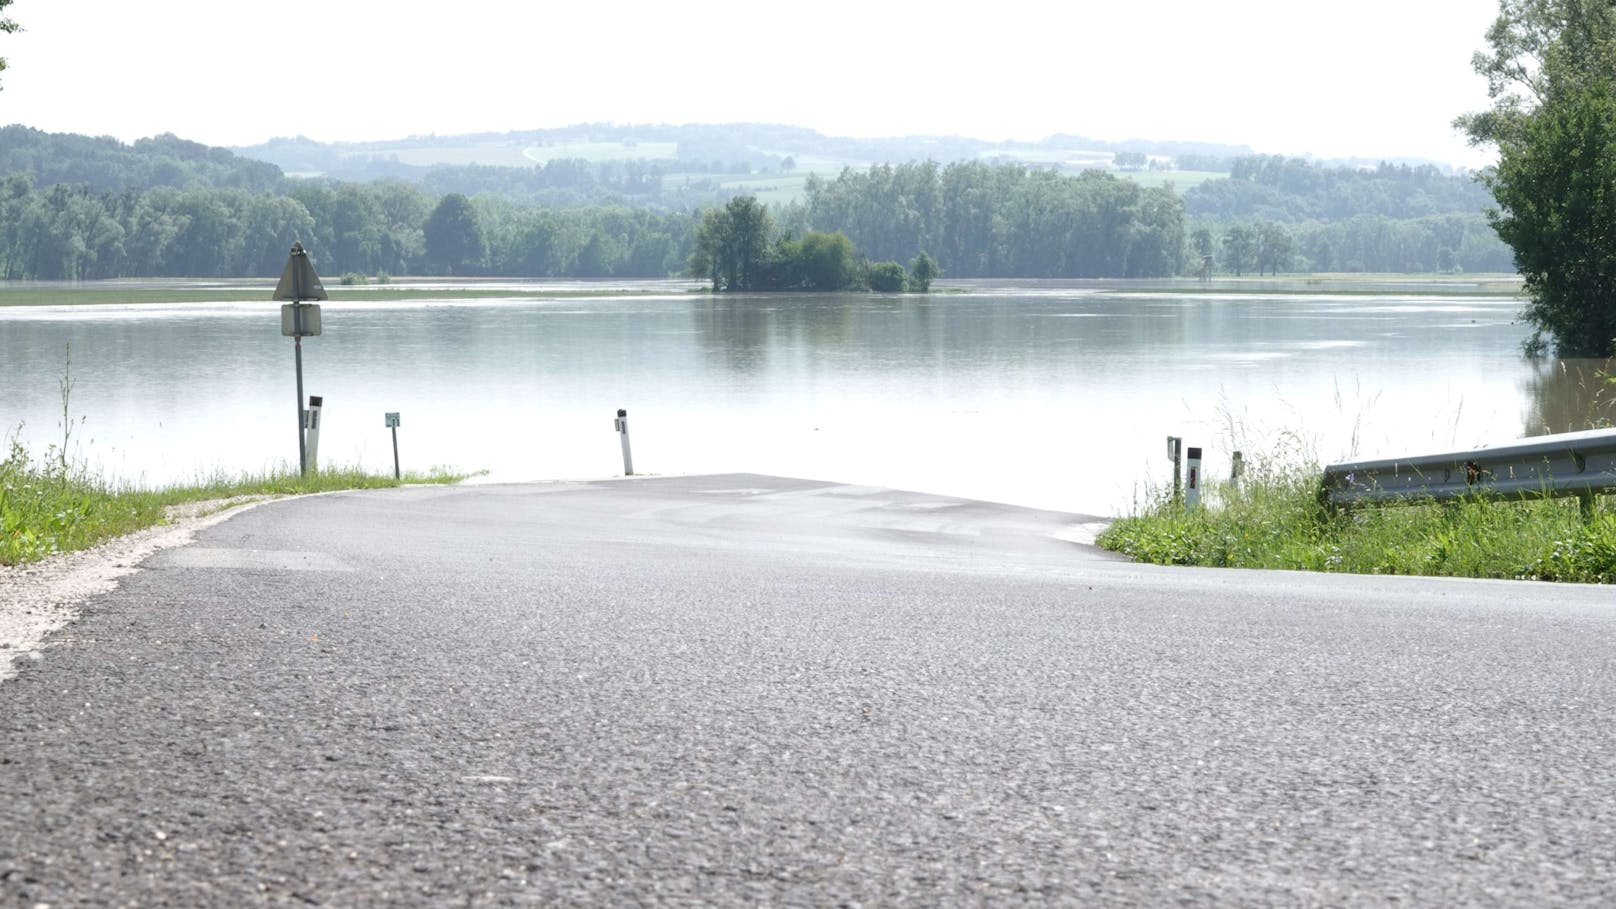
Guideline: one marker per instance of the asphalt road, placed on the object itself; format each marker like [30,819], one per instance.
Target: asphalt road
[744,690]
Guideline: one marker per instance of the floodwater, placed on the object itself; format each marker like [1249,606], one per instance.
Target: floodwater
[1054,395]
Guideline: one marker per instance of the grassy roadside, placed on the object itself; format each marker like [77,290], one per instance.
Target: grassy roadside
[1276,521]
[47,506]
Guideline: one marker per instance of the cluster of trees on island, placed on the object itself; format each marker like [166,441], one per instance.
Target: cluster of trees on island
[739,248]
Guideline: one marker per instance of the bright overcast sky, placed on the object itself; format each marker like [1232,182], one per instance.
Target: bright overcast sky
[1371,78]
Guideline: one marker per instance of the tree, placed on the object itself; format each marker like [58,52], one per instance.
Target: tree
[454,239]
[1274,248]
[1551,74]
[1239,249]
[922,271]
[886,277]
[1129,160]
[732,245]
[8,27]
[825,261]
[1556,192]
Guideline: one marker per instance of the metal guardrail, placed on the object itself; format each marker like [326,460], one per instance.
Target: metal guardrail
[1581,464]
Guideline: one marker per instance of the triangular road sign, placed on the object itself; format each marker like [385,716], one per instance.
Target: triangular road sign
[298,280]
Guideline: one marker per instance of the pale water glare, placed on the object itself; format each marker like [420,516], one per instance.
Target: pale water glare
[1048,395]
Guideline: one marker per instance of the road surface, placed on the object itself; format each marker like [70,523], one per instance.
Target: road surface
[745,690]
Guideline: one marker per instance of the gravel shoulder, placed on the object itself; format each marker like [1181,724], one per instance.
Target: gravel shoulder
[41,597]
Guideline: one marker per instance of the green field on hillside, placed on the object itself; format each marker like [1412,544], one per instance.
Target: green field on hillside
[599,152]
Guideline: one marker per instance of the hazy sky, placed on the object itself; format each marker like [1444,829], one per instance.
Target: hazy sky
[1368,78]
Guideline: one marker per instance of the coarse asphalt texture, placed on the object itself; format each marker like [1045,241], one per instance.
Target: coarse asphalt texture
[746,690]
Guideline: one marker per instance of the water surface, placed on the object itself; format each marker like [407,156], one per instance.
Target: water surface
[1045,394]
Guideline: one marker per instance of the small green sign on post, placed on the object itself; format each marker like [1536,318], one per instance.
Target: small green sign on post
[392,423]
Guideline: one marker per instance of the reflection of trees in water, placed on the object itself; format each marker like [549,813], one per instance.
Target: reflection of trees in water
[735,332]
[738,331]
[1570,396]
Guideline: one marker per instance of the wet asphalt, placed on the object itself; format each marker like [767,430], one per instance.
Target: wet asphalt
[743,690]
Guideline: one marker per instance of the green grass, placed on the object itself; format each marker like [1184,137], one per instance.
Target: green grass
[48,506]
[490,153]
[1276,521]
[597,152]
[1181,179]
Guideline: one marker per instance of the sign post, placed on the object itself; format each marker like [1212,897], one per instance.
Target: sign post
[392,423]
[299,282]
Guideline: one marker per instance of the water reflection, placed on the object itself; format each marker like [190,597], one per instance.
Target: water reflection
[1570,396]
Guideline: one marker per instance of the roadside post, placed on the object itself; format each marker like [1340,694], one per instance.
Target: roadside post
[311,431]
[1237,470]
[298,283]
[1192,480]
[1175,446]
[392,423]
[622,431]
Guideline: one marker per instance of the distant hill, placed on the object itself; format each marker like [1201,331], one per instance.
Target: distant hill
[725,151]
[105,165]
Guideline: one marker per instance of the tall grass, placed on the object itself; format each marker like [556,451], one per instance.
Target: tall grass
[1276,519]
[48,505]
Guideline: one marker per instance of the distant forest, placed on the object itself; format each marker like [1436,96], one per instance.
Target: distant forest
[76,208]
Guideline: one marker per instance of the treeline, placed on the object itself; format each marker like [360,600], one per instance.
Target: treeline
[975,219]
[78,208]
[1275,188]
[1436,244]
[69,233]
[983,221]
[1288,215]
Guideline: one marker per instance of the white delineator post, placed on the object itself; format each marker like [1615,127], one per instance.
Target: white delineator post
[622,431]
[1192,479]
[311,427]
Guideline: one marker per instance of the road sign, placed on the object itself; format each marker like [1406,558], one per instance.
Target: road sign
[299,281]
[392,420]
[300,319]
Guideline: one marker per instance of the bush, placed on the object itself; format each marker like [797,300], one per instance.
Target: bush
[353,277]
[886,277]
